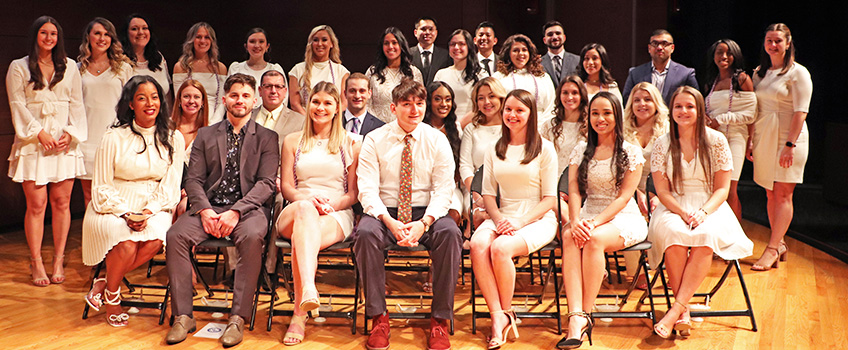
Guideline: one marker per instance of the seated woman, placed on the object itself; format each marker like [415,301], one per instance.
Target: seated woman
[691,168]
[441,115]
[318,179]
[522,166]
[190,113]
[136,185]
[604,170]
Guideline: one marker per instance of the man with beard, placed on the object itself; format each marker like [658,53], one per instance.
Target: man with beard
[664,73]
[558,63]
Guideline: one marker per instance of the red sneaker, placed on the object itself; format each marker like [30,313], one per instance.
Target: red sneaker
[379,338]
[439,339]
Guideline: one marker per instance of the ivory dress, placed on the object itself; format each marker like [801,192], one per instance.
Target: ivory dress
[720,231]
[100,95]
[242,67]
[541,87]
[214,86]
[461,88]
[56,111]
[126,181]
[522,187]
[601,191]
[611,88]
[321,71]
[778,98]
[162,77]
[381,93]
[733,123]
[566,141]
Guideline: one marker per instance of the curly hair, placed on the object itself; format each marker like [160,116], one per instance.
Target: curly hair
[382,62]
[187,57]
[151,50]
[534,61]
[115,52]
[559,111]
[631,128]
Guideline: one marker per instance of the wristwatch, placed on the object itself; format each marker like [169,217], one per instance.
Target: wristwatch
[790,144]
[426,226]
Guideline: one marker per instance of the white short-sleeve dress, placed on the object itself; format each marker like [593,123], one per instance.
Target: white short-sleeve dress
[100,95]
[455,78]
[242,67]
[541,87]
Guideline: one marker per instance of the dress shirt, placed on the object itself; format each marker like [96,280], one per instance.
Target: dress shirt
[229,191]
[348,124]
[268,118]
[658,78]
[379,170]
[493,64]
[421,51]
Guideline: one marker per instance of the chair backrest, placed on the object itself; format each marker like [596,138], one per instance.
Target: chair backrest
[563,181]
[477,181]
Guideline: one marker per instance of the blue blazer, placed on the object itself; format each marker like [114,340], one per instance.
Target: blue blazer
[678,75]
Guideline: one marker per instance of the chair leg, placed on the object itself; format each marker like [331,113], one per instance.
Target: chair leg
[164,304]
[747,297]
[193,257]
[473,303]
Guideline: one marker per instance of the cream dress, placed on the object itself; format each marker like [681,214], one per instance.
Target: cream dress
[720,231]
[321,71]
[56,111]
[461,89]
[566,141]
[522,187]
[126,181]
[541,87]
[161,76]
[733,123]
[214,86]
[381,93]
[100,95]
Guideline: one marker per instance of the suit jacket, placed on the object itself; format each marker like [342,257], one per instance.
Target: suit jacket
[569,66]
[288,122]
[439,60]
[258,165]
[678,75]
[369,123]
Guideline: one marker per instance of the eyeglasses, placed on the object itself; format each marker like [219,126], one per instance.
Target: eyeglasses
[660,43]
[273,86]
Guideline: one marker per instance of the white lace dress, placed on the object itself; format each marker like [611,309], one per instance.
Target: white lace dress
[602,191]
[720,231]
[381,93]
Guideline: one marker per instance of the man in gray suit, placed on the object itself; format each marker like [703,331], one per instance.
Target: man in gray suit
[231,174]
[558,63]
[426,56]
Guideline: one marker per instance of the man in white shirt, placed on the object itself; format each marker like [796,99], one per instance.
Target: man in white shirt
[485,40]
[405,180]
[558,63]
[426,56]
[357,118]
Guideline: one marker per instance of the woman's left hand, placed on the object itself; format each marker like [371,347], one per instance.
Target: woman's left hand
[138,226]
[696,217]
[508,226]
[63,145]
[787,155]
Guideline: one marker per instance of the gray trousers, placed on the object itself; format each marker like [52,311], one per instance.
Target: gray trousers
[444,242]
[249,238]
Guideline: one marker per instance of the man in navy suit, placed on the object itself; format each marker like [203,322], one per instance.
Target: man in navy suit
[485,40]
[426,56]
[356,118]
[664,73]
[558,63]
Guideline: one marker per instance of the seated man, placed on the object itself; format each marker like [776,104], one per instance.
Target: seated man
[231,174]
[405,186]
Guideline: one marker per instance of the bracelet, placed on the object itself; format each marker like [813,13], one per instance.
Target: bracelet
[703,211]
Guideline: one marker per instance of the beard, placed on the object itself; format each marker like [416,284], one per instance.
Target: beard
[239,113]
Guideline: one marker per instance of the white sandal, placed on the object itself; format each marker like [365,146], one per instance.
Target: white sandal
[114,298]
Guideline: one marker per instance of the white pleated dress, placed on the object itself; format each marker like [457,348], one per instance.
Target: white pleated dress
[100,95]
[720,231]
[126,181]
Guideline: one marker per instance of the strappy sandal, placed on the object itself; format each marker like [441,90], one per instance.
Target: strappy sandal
[765,265]
[574,343]
[496,343]
[664,331]
[683,325]
[311,303]
[296,320]
[114,298]
[94,300]
[58,278]
[38,282]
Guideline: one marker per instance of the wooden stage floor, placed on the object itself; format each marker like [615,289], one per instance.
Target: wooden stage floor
[801,305]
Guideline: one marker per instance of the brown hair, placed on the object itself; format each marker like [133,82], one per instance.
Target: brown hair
[187,57]
[357,75]
[240,78]
[202,118]
[57,54]
[115,52]
[788,57]
[534,61]
[408,88]
[700,134]
[533,143]
[559,110]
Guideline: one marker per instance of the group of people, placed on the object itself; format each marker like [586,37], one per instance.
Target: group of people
[404,140]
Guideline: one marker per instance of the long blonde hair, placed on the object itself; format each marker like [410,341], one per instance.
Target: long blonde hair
[115,52]
[497,89]
[631,129]
[338,134]
[188,48]
[335,55]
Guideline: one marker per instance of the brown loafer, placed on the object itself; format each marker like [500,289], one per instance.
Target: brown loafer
[439,339]
[234,332]
[183,325]
[380,331]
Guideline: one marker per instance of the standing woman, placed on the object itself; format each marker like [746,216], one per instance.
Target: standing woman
[441,115]
[189,115]
[104,70]
[318,171]
[394,62]
[321,62]
[141,47]
[520,67]
[780,138]
[199,61]
[521,168]
[258,50]
[136,185]
[691,168]
[568,126]
[464,73]
[605,171]
[45,98]
[594,69]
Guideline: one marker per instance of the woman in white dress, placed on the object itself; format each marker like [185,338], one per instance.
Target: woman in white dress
[594,69]
[258,48]
[318,179]
[691,168]
[568,126]
[731,106]
[321,62]
[104,69]
[604,170]
[520,67]
[141,47]
[394,62]
[780,141]
[522,168]
[199,61]
[464,73]
[45,98]
[190,114]
[441,115]
[136,186]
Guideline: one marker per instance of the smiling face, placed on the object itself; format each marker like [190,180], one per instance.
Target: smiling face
[191,100]
[554,37]
[776,44]
[485,39]
[409,112]
[426,33]
[643,105]
[722,58]
[602,116]
[515,115]
[357,94]
[138,32]
[48,36]
[391,48]
[570,96]
[487,102]
[441,103]
[685,110]
[592,63]
[202,41]
[321,45]
[519,55]
[322,108]
[458,48]
[239,100]
[99,39]
[145,105]
[256,45]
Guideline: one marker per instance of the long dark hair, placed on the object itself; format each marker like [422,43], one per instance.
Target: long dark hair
[533,143]
[788,58]
[267,55]
[451,130]
[151,51]
[163,122]
[619,162]
[534,61]
[559,110]
[58,54]
[604,75]
[736,68]
[382,62]
[472,66]
[703,144]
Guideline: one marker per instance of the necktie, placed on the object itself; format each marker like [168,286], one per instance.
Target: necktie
[269,121]
[355,127]
[486,66]
[557,67]
[405,193]
[426,60]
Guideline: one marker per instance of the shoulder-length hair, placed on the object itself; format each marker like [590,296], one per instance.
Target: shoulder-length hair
[57,55]
[533,144]
[631,128]
[451,131]
[335,53]
[202,118]
[559,111]
[702,141]
[472,66]
[619,163]
[534,61]
[163,122]
[267,55]
[382,62]
[497,89]
[151,50]
[115,52]
[188,55]
[712,71]
[605,74]
[337,131]
[788,58]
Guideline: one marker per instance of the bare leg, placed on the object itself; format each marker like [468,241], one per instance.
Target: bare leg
[780,212]
[36,205]
[572,280]
[604,238]
[695,269]
[60,199]
[118,262]
[481,262]
[733,200]
[86,191]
